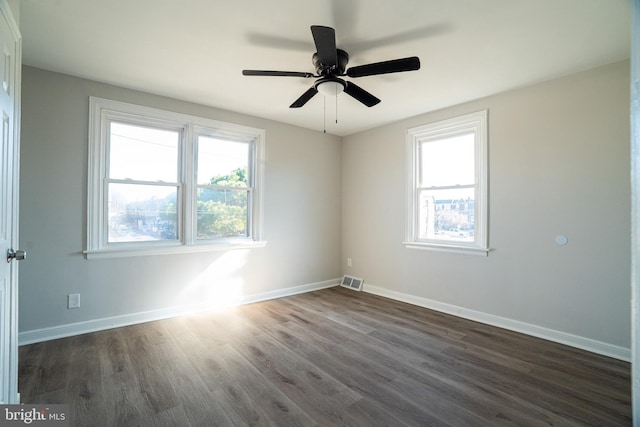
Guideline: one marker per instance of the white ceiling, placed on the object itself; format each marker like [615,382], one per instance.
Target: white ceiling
[195,50]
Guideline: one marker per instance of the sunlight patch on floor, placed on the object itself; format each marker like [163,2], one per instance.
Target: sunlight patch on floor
[220,285]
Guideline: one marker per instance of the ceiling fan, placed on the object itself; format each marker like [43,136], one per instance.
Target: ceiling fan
[331,62]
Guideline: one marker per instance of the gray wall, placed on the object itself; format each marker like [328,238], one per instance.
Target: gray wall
[302,215]
[559,164]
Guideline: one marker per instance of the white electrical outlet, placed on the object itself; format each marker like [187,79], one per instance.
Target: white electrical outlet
[349,263]
[73,301]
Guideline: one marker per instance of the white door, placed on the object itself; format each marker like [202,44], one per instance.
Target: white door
[10,63]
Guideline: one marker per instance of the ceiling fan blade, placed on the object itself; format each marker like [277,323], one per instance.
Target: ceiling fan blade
[310,93]
[360,94]
[385,67]
[325,40]
[276,73]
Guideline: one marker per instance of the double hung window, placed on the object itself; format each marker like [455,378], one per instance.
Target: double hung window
[223,188]
[447,184]
[163,182]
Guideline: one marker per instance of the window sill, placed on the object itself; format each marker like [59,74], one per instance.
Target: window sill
[469,250]
[125,252]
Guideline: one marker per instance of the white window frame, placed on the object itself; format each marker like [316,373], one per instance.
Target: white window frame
[475,123]
[101,113]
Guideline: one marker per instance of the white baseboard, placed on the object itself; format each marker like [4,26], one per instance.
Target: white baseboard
[62,331]
[599,347]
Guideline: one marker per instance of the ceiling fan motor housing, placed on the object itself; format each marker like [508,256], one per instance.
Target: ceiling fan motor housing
[342,59]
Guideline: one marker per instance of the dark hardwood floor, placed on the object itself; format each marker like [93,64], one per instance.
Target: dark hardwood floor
[328,358]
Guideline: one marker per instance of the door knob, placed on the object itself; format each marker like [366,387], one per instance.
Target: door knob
[17,255]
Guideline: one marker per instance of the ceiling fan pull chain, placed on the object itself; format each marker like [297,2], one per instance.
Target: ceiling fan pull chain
[324,108]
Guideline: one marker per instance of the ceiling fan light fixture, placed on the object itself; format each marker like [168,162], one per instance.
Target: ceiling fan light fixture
[330,87]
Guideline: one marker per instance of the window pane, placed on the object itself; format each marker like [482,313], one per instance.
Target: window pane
[222,213]
[142,212]
[143,154]
[447,215]
[448,161]
[222,162]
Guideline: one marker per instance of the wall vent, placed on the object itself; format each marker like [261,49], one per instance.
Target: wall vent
[351,282]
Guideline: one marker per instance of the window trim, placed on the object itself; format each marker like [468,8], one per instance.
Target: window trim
[101,112]
[477,124]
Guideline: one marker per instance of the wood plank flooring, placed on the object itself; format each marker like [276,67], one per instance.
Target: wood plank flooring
[328,358]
